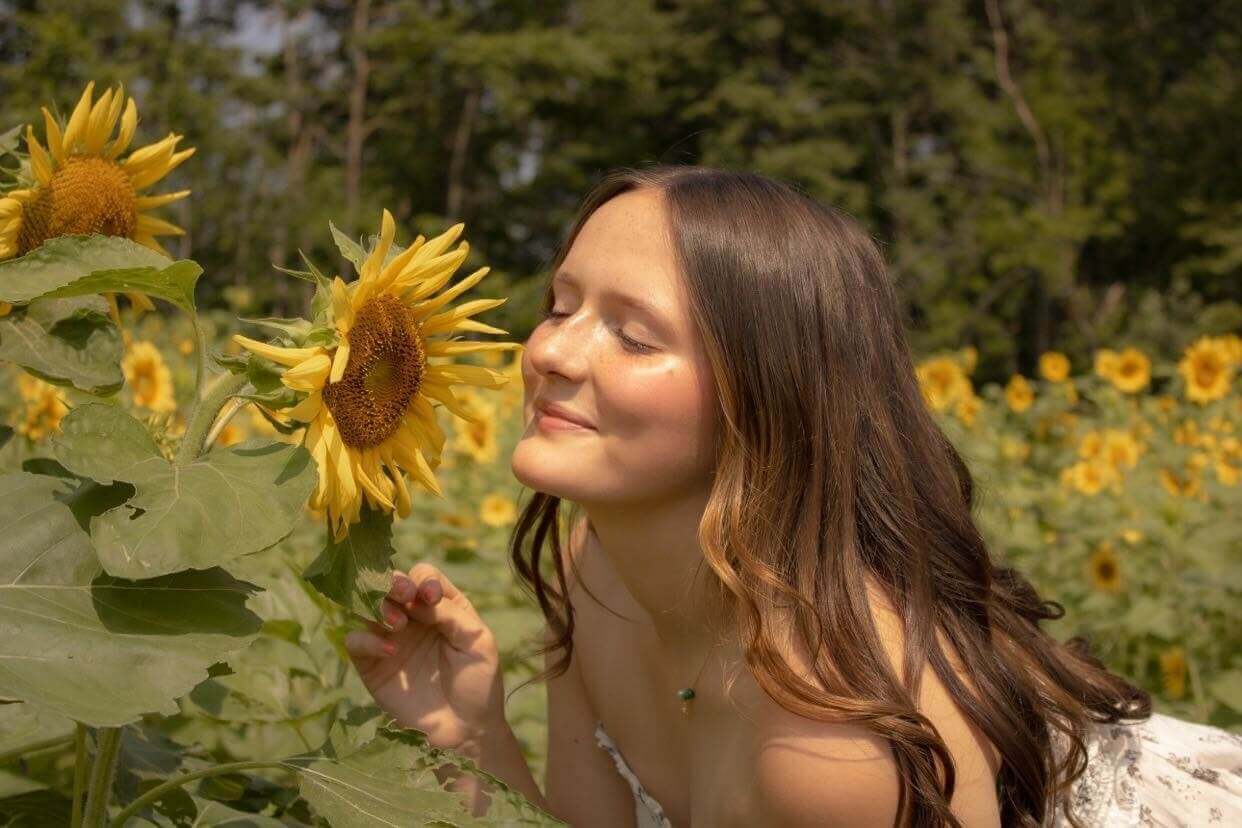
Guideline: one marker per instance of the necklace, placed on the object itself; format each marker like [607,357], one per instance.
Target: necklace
[686,694]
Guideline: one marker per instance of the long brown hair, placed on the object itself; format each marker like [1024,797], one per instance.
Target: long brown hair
[832,474]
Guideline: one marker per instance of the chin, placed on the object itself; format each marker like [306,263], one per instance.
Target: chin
[543,468]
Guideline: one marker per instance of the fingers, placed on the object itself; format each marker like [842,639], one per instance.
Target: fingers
[361,644]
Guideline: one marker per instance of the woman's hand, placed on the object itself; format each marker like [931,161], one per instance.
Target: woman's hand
[436,668]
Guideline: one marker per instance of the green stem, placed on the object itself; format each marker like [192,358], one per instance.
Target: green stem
[155,793]
[230,408]
[204,414]
[79,776]
[34,747]
[102,774]
[200,356]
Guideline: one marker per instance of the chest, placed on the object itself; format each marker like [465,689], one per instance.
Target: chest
[698,767]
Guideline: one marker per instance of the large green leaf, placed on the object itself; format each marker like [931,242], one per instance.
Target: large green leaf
[65,341]
[79,265]
[227,503]
[356,572]
[98,649]
[389,781]
[21,724]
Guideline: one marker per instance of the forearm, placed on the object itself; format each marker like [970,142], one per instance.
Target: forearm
[499,753]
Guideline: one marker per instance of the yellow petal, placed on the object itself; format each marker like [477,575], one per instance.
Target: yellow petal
[428,277]
[446,321]
[40,163]
[342,309]
[129,122]
[281,356]
[141,302]
[75,130]
[431,305]
[151,202]
[94,138]
[461,374]
[375,262]
[307,375]
[442,348]
[476,326]
[439,244]
[55,147]
[158,227]
[339,361]
[307,409]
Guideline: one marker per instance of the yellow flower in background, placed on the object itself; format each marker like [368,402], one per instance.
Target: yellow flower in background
[942,382]
[45,406]
[230,434]
[1131,371]
[1232,344]
[369,398]
[1105,569]
[1132,536]
[1088,477]
[1054,366]
[1206,368]
[1016,450]
[1105,363]
[147,377]
[970,358]
[1180,485]
[497,510]
[1226,474]
[1166,403]
[477,438]
[1186,433]
[83,186]
[1173,672]
[1091,444]
[967,408]
[1018,393]
[1120,449]
[185,347]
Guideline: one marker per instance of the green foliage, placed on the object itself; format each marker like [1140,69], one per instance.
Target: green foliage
[65,342]
[356,571]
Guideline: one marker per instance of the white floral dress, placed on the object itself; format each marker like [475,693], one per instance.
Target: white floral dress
[1161,772]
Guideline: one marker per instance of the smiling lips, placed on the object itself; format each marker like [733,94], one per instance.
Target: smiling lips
[559,418]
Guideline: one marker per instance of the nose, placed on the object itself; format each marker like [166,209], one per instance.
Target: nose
[558,349]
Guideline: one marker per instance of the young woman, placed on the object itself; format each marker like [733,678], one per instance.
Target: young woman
[773,607]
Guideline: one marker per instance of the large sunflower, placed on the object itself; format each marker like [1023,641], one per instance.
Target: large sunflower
[368,406]
[82,186]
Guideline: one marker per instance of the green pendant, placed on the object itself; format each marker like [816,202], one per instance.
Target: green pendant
[686,694]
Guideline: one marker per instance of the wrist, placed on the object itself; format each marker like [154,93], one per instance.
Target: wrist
[487,741]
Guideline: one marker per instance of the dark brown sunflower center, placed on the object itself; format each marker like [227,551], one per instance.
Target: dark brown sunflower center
[86,195]
[387,362]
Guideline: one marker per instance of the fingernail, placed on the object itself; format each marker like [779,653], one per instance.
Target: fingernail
[432,591]
[392,617]
[404,589]
[389,647]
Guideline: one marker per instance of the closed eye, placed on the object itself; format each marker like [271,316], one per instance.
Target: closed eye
[630,344]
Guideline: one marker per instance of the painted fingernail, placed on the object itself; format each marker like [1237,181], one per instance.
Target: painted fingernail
[389,647]
[432,591]
[404,589]
[392,617]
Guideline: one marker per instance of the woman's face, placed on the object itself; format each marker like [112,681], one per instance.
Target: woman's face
[638,376]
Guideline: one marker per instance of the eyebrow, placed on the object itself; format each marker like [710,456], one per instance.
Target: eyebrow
[619,298]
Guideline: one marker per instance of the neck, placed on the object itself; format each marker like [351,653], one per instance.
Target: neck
[655,551]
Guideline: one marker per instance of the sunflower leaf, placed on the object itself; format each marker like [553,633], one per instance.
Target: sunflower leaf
[65,342]
[356,572]
[79,265]
[350,249]
[295,329]
[225,504]
[93,648]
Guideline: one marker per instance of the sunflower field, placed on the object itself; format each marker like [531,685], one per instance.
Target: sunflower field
[195,506]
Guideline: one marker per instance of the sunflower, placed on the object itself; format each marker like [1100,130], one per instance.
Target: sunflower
[82,186]
[1173,672]
[1206,367]
[1054,366]
[967,408]
[1131,371]
[477,438]
[1018,393]
[942,382]
[147,375]
[369,398]
[1105,569]
[497,510]
[45,407]
[1120,449]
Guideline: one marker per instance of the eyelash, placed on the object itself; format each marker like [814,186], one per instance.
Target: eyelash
[630,344]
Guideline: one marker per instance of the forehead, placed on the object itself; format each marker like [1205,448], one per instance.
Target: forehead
[625,247]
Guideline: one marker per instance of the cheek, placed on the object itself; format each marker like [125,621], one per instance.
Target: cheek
[666,409]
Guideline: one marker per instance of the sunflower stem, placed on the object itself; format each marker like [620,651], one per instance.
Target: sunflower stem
[200,356]
[155,793]
[215,395]
[108,749]
[79,775]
